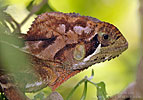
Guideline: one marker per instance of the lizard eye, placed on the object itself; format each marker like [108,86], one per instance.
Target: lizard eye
[105,36]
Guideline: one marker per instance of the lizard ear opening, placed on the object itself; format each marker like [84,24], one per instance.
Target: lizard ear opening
[79,52]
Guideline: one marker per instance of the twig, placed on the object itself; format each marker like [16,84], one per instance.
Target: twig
[16,23]
[33,10]
[141,22]
[54,96]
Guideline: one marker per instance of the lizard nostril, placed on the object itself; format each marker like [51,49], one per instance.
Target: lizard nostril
[117,37]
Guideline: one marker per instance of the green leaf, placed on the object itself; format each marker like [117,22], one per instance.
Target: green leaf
[101,91]
[12,59]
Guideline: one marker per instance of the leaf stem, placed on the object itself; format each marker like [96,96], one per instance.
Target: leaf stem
[85,91]
[71,93]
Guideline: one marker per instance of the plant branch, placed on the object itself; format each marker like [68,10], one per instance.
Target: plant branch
[141,22]
[33,10]
[16,23]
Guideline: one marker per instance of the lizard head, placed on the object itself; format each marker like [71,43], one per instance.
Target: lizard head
[107,43]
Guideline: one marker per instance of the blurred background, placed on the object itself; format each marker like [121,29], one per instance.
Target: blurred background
[117,73]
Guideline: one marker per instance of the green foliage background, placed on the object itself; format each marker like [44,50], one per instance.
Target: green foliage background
[117,73]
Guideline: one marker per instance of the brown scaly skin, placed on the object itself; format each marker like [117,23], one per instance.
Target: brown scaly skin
[61,45]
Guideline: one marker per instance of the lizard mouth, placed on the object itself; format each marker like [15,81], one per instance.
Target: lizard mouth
[115,48]
[107,54]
